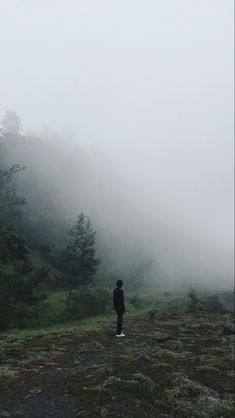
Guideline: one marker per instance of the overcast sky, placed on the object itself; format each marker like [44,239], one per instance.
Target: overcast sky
[150,82]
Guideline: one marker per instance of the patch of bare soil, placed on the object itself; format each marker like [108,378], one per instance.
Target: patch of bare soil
[178,366]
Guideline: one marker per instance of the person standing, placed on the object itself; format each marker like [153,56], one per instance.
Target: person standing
[119,306]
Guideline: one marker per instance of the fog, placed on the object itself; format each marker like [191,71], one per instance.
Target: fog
[144,89]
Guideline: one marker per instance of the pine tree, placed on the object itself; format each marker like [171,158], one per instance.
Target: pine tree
[79,259]
[193,300]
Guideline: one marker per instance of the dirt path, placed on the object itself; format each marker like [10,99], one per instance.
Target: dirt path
[176,367]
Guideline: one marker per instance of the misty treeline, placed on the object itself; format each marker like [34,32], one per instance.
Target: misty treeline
[48,242]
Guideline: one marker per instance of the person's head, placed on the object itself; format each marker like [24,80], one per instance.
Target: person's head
[119,283]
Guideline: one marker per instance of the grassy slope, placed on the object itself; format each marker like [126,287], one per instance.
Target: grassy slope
[52,315]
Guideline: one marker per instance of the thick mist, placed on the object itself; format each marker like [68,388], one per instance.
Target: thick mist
[130,109]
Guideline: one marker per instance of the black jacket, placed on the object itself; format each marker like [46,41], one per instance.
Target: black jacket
[118,299]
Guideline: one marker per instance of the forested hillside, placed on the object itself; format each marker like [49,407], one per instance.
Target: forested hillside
[47,190]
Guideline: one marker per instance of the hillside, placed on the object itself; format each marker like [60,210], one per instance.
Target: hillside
[171,366]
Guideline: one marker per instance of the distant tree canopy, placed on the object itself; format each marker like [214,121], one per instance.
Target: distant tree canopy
[79,259]
[11,124]
[10,201]
[18,278]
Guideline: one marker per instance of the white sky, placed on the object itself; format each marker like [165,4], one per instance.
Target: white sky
[150,82]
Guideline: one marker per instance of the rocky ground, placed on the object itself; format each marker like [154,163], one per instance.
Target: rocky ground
[176,366]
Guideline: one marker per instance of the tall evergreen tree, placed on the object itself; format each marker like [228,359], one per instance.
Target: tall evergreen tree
[79,259]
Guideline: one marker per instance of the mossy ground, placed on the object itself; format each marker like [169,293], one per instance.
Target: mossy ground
[62,374]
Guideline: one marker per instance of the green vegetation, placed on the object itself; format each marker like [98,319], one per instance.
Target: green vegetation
[193,301]
[33,273]
[49,276]
[91,308]
[79,262]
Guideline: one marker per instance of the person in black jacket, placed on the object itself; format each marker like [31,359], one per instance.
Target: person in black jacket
[119,306]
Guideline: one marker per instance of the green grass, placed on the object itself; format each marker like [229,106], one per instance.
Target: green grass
[91,323]
[52,309]
[52,316]
[84,324]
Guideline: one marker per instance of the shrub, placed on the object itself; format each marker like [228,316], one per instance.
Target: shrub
[152,315]
[212,304]
[136,301]
[166,294]
[193,301]
[90,301]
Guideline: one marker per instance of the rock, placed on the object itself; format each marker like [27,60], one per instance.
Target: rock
[229,328]
[116,383]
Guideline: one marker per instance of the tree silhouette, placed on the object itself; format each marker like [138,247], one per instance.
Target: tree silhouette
[79,259]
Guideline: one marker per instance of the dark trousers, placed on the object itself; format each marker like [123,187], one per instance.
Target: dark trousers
[119,321]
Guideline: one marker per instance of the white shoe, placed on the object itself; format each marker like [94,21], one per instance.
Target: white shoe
[120,335]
